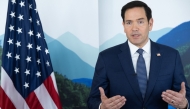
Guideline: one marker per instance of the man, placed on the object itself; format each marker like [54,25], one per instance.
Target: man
[138,74]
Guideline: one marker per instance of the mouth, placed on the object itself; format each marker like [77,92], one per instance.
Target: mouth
[135,35]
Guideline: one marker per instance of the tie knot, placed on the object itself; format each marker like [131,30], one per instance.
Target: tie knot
[140,51]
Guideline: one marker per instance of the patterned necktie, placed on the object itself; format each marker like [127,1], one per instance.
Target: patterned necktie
[141,73]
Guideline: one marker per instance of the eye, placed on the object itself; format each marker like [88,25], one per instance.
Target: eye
[140,22]
[128,23]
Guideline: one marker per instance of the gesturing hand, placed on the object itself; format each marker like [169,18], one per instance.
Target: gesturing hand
[176,99]
[115,102]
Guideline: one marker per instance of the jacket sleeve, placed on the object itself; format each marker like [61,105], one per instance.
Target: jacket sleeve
[99,80]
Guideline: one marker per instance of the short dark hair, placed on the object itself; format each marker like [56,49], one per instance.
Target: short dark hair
[134,4]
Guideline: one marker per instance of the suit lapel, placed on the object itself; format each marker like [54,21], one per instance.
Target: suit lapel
[155,64]
[126,62]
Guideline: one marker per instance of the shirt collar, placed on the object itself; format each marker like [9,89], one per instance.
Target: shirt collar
[134,48]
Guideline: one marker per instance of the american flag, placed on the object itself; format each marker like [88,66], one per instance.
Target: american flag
[27,77]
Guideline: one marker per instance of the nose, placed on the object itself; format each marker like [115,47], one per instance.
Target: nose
[135,27]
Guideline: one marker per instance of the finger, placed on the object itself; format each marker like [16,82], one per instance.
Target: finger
[111,102]
[114,99]
[119,100]
[173,95]
[102,94]
[174,104]
[177,97]
[107,100]
[165,97]
[170,95]
[123,103]
[183,89]
[168,100]
[117,104]
[176,94]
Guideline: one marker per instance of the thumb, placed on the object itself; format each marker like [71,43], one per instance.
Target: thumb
[183,89]
[102,94]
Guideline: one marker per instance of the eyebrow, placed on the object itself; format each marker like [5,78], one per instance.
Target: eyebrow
[140,19]
[137,19]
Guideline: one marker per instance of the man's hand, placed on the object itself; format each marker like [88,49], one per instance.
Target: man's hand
[115,102]
[176,99]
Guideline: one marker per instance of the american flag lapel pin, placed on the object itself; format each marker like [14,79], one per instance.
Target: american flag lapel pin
[158,54]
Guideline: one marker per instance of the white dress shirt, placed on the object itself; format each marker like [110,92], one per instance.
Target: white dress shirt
[146,55]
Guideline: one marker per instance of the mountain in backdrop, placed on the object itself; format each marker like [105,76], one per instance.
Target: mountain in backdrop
[66,62]
[1,39]
[121,38]
[48,38]
[177,37]
[117,39]
[86,52]
[155,35]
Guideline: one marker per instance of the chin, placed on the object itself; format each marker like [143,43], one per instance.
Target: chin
[136,44]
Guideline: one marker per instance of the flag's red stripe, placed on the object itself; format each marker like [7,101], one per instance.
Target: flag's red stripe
[33,101]
[53,93]
[5,102]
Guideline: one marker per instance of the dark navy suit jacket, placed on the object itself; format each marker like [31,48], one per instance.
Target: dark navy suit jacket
[114,72]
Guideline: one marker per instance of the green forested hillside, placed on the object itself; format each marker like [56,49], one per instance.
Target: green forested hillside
[185,57]
[72,95]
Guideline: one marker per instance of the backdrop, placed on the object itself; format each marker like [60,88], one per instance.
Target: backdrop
[77,30]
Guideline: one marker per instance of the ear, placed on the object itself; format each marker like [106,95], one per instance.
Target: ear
[150,24]
[123,24]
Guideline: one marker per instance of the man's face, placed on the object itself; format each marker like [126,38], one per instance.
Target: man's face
[136,26]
